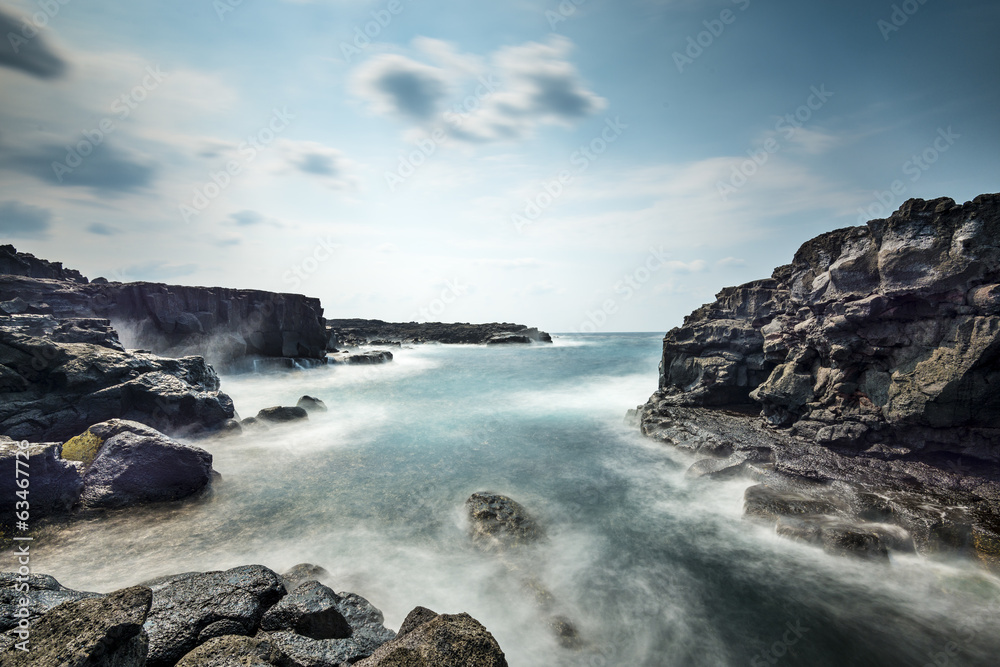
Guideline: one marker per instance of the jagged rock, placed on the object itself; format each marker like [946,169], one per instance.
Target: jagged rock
[352,333]
[310,404]
[238,651]
[189,609]
[366,621]
[445,641]
[281,415]
[302,573]
[55,484]
[837,536]
[66,387]
[17,263]
[127,463]
[311,611]
[764,502]
[101,632]
[44,594]
[500,522]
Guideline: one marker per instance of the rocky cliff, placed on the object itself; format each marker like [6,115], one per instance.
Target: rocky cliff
[873,358]
[224,325]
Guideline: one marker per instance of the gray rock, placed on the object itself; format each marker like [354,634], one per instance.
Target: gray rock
[364,618]
[417,617]
[310,404]
[281,415]
[42,591]
[186,605]
[764,502]
[134,464]
[500,522]
[55,484]
[309,610]
[57,390]
[446,641]
[301,573]
[326,652]
[100,632]
[237,651]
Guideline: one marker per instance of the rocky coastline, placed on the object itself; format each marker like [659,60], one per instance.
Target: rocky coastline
[355,332]
[856,386]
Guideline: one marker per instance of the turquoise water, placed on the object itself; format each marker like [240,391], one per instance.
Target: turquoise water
[653,568]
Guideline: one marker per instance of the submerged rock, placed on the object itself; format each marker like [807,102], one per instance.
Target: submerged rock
[128,463]
[311,404]
[444,641]
[105,632]
[500,522]
[281,414]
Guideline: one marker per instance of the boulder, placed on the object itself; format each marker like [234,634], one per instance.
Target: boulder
[417,617]
[282,414]
[497,521]
[55,484]
[238,651]
[44,594]
[189,609]
[127,463]
[445,641]
[310,404]
[100,632]
[302,573]
[309,610]
[325,652]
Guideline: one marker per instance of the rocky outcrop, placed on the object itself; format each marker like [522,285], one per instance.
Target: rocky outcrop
[351,333]
[446,640]
[872,359]
[224,325]
[369,358]
[53,390]
[106,631]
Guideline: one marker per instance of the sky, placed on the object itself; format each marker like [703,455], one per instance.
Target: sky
[584,165]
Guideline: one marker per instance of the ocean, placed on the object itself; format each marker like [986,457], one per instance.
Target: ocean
[652,567]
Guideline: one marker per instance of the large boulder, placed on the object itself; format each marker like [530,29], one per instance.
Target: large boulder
[56,390]
[497,521]
[128,463]
[101,632]
[189,609]
[444,641]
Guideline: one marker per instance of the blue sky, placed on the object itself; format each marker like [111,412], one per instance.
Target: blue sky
[586,166]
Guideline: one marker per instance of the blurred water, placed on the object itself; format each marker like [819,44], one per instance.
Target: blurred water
[653,568]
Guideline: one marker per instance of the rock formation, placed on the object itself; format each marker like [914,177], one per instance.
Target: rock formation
[873,358]
[221,324]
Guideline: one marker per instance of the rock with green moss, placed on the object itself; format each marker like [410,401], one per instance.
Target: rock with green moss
[131,464]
